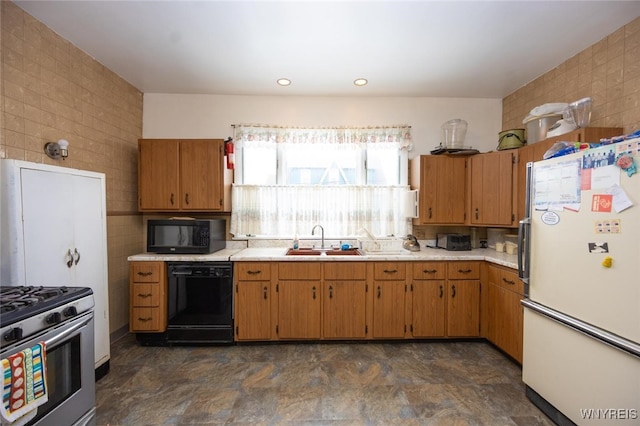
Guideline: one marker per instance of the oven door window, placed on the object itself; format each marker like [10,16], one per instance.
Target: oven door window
[200,301]
[63,374]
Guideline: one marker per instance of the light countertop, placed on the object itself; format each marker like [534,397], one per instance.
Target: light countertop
[218,256]
[278,254]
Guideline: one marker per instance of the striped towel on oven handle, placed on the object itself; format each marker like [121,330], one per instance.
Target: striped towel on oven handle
[24,385]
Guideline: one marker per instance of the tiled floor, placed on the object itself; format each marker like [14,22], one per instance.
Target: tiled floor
[406,383]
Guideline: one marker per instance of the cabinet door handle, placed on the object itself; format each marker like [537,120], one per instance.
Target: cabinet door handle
[144,295]
[430,213]
[464,271]
[313,289]
[264,291]
[330,292]
[429,271]
[144,319]
[69,258]
[76,256]
[379,292]
[477,213]
[390,271]
[186,198]
[254,272]
[453,291]
[171,199]
[144,274]
[441,292]
[510,282]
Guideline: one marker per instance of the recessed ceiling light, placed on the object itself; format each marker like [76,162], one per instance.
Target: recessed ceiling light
[284,81]
[360,82]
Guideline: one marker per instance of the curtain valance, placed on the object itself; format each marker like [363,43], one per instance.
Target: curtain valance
[400,135]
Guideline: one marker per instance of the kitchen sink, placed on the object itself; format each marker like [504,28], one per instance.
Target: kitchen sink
[317,252]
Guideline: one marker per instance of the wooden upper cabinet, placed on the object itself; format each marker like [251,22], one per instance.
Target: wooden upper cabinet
[201,163]
[536,151]
[441,180]
[158,174]
[492,188]
[181,175]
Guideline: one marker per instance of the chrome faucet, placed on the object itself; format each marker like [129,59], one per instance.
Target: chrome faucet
[322,233]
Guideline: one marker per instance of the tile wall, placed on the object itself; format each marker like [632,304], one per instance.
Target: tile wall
[52,90]
[608,72]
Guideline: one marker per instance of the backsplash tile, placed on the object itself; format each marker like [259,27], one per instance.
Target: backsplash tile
[608,72]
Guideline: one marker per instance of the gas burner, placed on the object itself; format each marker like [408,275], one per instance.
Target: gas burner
[40,291]
[17,303]
[7,307]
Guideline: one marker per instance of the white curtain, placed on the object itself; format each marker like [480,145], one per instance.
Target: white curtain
[342,210]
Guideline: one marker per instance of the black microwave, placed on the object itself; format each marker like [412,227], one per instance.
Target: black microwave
[185,236]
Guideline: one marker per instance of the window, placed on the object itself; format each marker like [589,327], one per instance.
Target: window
[288,180]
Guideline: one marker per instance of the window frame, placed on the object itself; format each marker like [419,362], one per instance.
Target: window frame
[361,169]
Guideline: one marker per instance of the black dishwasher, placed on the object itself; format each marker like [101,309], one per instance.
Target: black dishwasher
[199,304]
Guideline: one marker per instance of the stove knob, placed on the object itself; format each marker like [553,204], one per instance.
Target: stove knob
[13,334]
[53,318]
[70,311]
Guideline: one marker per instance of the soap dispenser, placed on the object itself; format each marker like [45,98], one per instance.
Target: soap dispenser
[296,243]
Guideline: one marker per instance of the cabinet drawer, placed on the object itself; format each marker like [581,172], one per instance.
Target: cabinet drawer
[506,279]
[429,271]
[389,271]
[145,295]
[253,271]
[345,271]
[145,319]
[464,271]
[146,272]
[299,270]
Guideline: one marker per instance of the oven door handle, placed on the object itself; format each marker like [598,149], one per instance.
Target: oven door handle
[59,337]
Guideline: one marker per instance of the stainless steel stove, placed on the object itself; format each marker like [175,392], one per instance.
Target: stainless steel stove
[27,310]
[62,319]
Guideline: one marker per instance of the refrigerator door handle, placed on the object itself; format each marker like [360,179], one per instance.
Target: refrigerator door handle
[524,228]
[523,252]
[596,333]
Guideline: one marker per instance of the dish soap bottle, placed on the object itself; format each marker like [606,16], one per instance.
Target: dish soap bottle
[296,244]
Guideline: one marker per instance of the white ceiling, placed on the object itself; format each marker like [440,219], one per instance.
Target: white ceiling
[481,49]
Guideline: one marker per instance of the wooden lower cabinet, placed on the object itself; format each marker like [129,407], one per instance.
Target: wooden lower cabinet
[463,303]
[504,312]
[446,299]
[299,291]
[429,297]
[344,301]
[299,300]
[389,300]
[463,308]
[148,297]
[253,301]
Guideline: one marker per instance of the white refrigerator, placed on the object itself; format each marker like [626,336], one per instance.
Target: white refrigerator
[580,261]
